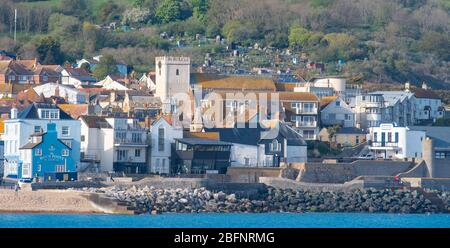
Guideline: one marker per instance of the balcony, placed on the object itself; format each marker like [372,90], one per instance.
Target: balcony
[305,123]
[130,142]
[373,104]
[306,111]
[385,145]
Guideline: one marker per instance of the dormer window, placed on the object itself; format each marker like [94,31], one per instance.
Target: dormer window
[50,114]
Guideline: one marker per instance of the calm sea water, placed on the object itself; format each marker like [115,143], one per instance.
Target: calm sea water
[274,220]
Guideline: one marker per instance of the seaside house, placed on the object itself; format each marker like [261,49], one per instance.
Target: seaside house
[429,106]
[34,119]
[117,144]
[46,157]
[344,137]
[335,111]
[200,156]
[301,110]
[263,146]
[163,134]
[390,141]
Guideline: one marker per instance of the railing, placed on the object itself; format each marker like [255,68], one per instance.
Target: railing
[305,123]
[130,142]
[384,144]
[306,110]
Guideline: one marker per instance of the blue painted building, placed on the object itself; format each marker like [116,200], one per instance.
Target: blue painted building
[29,126]
[44,155]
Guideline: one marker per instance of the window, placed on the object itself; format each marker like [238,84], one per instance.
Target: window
[65,131]
[60,168]
[136,137]
[65,153]
[137,153]
[82,138]
[39,168]
[275,145]
[357,139]
[396,137]
[375,137]
[338,103]
[11,77]
[122,155]
[161,139]
[37,129]
[177,72]
[38,152]
[49,113]
[45,78]
[389,137]
[440,155]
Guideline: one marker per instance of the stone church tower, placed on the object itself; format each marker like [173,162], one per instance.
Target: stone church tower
[172,77]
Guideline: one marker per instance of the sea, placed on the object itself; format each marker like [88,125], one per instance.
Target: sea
[231,220]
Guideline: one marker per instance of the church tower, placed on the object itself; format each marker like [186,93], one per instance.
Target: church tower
[172,77]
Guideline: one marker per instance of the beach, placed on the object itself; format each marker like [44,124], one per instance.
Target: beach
[45,201]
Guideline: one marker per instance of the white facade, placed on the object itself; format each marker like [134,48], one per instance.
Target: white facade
[118,145]
[19,129]
[428,109]
[163,135]
[73,95]
[393,142]
[337,112]
[172,77]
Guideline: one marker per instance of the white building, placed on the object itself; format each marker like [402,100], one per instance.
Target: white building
[368,110]
[428,105]
[76,77]
[335,111]
[172,77]
[34,119]
[163,135]
[390,141]
[111,84]
[69,92]
[398,107]
[115,144]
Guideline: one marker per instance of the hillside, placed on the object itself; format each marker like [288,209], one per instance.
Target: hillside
[384,41]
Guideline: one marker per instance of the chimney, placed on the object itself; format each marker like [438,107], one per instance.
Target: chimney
[424,86]
[428,156]
[51,130]
[407,87]
[14,113]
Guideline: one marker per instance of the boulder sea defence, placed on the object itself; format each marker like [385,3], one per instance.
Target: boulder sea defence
[200,200]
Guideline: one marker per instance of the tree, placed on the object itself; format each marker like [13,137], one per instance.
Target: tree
[63,25]
[49,51]
[199,9]
[168,11]
[106,66]
[298,36]
[77,8]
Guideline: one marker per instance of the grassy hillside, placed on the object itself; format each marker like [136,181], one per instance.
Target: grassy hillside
[383,41]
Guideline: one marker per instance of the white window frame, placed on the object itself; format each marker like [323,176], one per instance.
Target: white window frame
[65,152]
[63,133]
[38,152]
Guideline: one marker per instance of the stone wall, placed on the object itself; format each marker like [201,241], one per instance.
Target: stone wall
[344,172]
[251,175]
[284,183]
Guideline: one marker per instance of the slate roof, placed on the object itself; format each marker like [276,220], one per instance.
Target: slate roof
[350,130]
[93,121]
[440,135]
[233,82]
[31,112]
[428,94]
[205,142]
